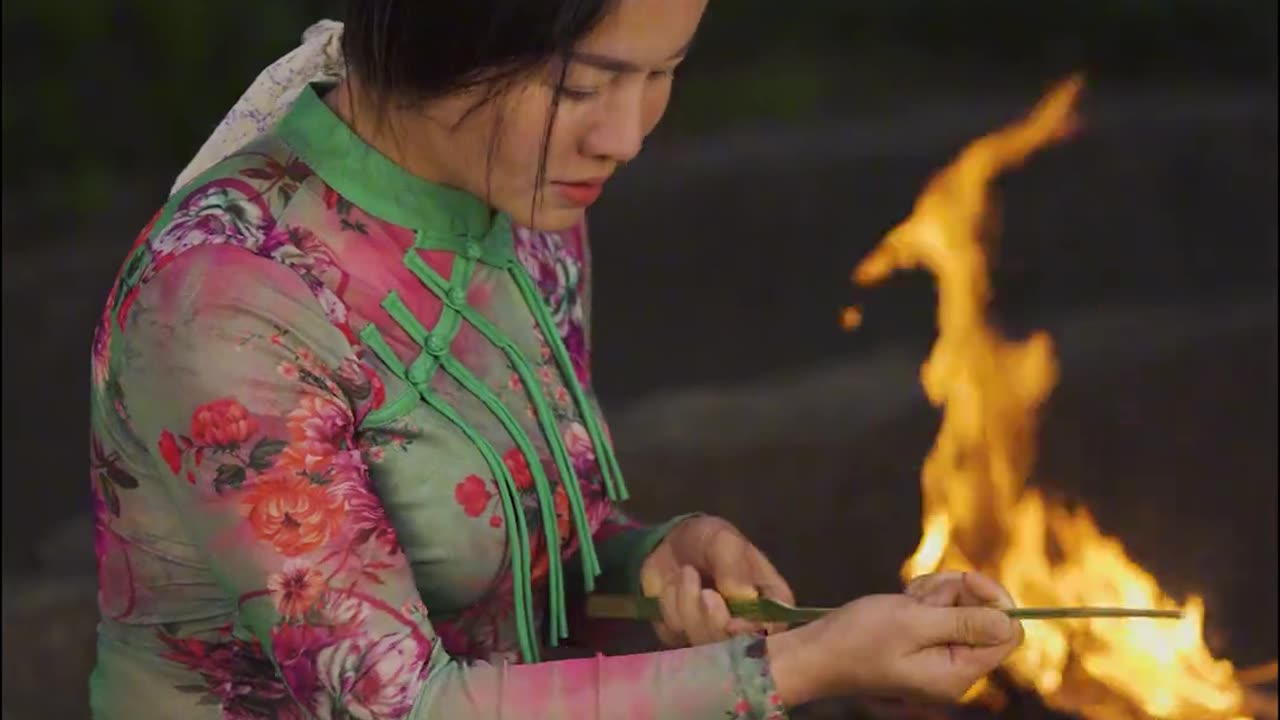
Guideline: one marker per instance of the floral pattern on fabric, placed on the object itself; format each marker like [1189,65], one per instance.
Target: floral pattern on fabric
[236,485]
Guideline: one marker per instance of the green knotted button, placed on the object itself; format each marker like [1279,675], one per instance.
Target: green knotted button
[436,346]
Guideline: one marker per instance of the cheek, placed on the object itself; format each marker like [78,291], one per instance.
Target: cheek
[521,132]
[655,106]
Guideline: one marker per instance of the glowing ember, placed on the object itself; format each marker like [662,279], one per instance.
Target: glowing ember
[850,318]
[977,513]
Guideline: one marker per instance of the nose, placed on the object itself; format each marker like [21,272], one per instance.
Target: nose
[619,130]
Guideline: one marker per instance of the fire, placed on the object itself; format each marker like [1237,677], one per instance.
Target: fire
[978,514]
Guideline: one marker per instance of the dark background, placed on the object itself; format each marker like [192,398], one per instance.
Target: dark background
[799,133]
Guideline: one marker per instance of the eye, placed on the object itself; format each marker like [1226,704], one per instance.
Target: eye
[663,74]
[577,94]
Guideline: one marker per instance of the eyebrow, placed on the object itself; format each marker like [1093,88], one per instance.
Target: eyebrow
[618,65]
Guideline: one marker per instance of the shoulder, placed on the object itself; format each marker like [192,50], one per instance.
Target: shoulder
[234,225]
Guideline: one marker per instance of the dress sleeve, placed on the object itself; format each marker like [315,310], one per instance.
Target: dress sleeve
[237,382]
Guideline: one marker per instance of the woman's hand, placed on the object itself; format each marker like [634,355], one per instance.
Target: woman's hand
[934,641]
[702,562]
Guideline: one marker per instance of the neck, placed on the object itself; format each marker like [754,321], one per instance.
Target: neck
[414,140]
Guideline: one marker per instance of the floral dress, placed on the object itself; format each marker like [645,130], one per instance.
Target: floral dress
[347,462]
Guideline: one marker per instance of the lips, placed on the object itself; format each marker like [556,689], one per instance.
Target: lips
[580,193]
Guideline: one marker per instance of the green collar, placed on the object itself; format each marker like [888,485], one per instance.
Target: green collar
[444,218]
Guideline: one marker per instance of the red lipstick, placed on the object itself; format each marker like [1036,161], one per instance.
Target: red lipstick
[581,193]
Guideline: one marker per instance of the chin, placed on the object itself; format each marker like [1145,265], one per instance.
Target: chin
[553,219]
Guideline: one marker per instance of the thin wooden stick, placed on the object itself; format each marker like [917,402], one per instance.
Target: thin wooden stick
[1056,613]
[637,607]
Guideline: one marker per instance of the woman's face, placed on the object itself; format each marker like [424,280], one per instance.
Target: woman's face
[616,88]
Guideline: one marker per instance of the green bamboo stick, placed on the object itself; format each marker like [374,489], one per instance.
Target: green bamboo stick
[637,607]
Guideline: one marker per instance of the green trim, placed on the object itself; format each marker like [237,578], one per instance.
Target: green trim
[380,187]
[390,411]
[569,479]
[614,484]
[517,531]
[435,347]
[453,296]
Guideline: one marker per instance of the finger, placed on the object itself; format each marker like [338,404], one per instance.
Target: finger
[692,612]
[772,585]
[769,581]
[946,594]
[730,567]
[922,585]
[670,630]
[715,617]
[985,591]
[742,626]
[972,626]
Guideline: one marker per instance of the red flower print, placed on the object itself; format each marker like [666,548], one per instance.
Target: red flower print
[170,451]
[495,521]
[293,514]
[472,495]
[518,465]
[296,589]
[222,423]
[122,315]
[240,677]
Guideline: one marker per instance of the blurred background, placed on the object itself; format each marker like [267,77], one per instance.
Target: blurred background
[799,133]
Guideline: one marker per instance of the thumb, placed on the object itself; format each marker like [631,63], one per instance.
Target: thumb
[971,626]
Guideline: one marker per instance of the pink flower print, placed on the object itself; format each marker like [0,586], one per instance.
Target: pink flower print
[102,353]
[345,612]
[314,427]
[367,520]
[581,450]
[375,681]
[225,211]
[288,370]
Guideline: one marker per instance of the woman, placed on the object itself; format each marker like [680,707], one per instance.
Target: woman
[346,454]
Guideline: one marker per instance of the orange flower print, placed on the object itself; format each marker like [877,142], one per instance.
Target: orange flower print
[222,423]
[561,503]
[296,589]
[292,513]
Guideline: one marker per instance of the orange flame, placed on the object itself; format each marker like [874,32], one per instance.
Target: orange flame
[977,512]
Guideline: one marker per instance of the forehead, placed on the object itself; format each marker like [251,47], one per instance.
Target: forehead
[645,31]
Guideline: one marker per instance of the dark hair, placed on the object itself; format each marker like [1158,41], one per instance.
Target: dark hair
[409,51]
